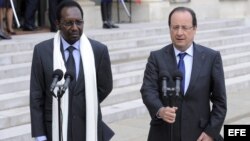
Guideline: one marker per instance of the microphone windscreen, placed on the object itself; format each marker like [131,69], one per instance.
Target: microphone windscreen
[58,73]
[69,74]
[164,74]
[177,74]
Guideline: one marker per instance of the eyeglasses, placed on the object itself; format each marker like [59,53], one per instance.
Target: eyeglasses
[69,23]
[183,28]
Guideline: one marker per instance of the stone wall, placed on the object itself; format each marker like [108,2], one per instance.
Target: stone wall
[158,10]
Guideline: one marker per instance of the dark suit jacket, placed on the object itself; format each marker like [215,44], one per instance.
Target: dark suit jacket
[41,97]
[194,114]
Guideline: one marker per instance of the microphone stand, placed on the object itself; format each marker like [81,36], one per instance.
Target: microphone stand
[59,96]
[169,97]
[171,104]
[173,94]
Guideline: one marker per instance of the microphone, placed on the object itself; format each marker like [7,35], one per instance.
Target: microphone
[164,75]
[177,77]
[57,76]
[68,78]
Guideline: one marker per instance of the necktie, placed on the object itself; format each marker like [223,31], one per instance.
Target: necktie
[181,67]
[70,64]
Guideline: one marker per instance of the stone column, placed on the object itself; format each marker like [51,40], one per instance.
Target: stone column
[85,2]
[92,14]
[247,14]
[145,11]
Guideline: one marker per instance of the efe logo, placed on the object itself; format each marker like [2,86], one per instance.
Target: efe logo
[236,132]
[240,132]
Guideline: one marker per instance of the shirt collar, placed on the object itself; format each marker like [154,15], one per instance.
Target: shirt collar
[189,51]
[66,44]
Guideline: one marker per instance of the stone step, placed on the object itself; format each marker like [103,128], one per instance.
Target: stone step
[9,85]
[15,57]
[14,100]
[235,84]
[135,77]
[133,108]
[129,60]
[21,116]
[128,66]
[127,78]
[14,117]
[21,98]
[123,110]
[113,112]
[224,23]
[7,47]
[143,52]
[226,31]
[224,40]
[127,55]
[17,133]
[136,107]
[233,48]
[110,114]
[233,59]
[122,94]
[23,42]
[15,70]
[128,87]
[212,39]
[124,101]
[19,43]
[26,56]
[126,93]
[156,28]
[235,70]
[119,80]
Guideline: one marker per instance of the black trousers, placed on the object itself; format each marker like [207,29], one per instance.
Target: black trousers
[30,10]
[52,13]
[106,11]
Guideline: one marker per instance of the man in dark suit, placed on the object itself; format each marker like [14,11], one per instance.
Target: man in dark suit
[191,118]
[92,79]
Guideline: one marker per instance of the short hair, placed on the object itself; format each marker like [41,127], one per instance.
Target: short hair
[194,20]
[67,3]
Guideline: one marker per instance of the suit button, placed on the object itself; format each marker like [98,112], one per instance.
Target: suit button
[74,116]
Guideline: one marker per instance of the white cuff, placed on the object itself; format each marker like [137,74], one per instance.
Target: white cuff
[41,138]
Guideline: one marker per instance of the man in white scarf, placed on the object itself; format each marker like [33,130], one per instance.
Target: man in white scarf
[81,117]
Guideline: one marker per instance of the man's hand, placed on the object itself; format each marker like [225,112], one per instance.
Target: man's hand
[204,137]
[168,114]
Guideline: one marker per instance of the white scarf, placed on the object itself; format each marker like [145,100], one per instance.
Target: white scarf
[88,60]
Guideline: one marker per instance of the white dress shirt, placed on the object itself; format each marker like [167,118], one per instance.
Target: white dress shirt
[188,60]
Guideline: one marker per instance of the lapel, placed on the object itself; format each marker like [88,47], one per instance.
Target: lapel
[170,59]
[80,83]
[198,61]
[62,52]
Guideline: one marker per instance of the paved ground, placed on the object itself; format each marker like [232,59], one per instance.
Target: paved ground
[136,129]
